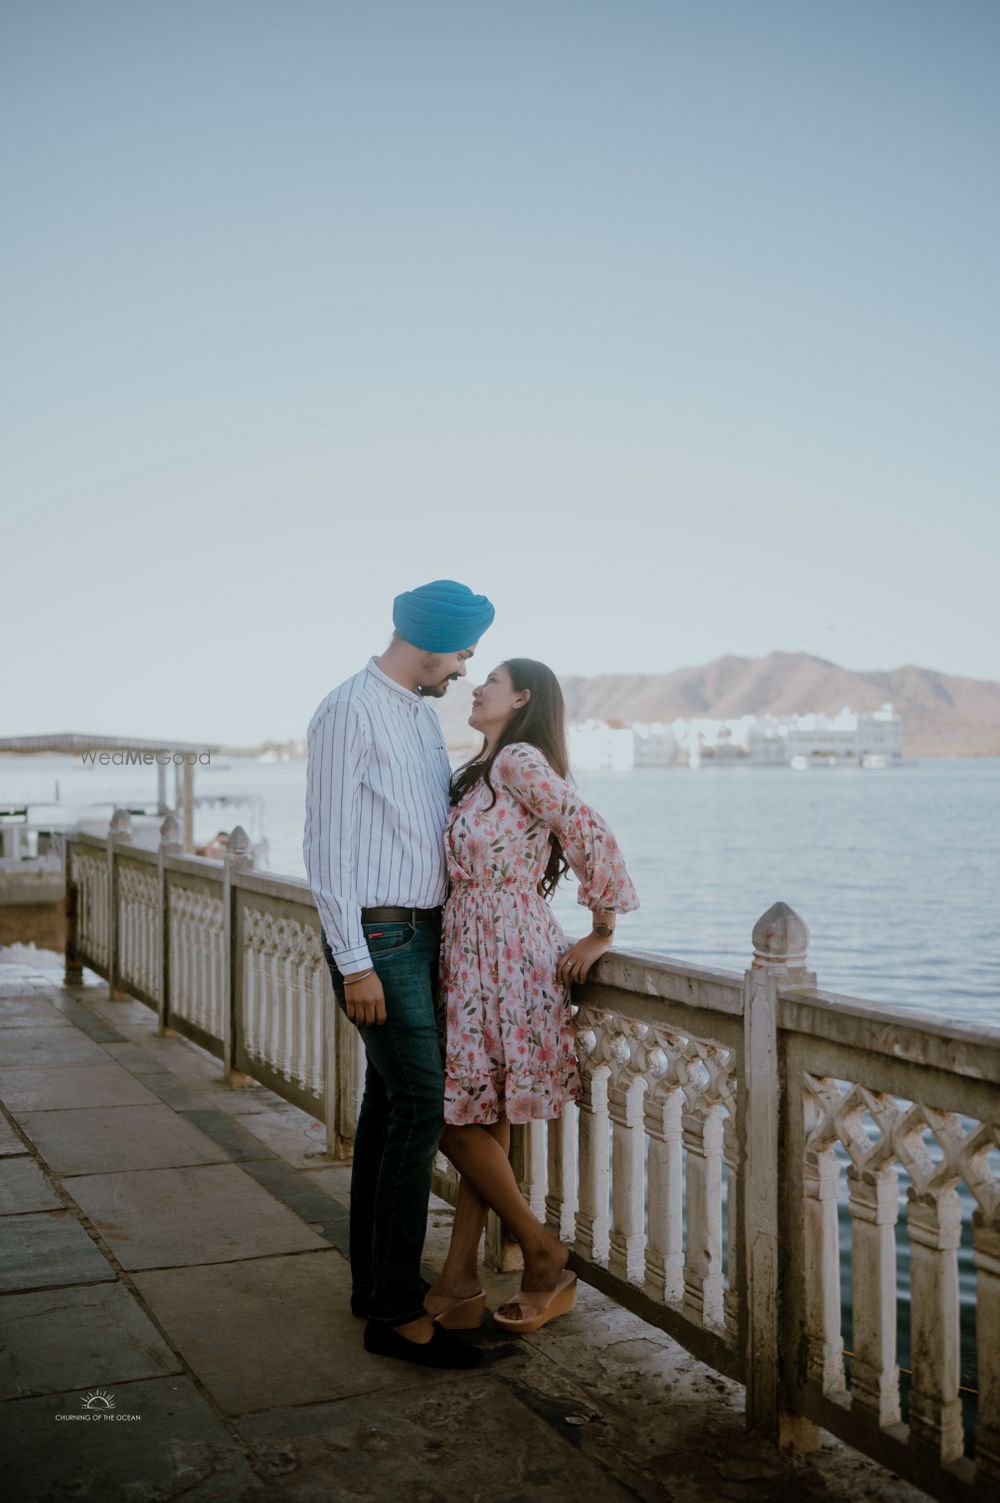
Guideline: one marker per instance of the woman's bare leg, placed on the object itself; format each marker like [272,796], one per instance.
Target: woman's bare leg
[459,1277]
[479,1158]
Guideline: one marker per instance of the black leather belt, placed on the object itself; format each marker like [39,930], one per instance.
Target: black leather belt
[400,915]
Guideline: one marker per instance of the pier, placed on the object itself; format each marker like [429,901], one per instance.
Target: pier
[730,1124]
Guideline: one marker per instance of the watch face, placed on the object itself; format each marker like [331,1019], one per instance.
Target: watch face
[604,930]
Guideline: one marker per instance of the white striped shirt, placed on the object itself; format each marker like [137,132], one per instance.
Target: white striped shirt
[376,805]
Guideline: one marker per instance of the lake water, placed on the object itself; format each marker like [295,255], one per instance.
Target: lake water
[897,873]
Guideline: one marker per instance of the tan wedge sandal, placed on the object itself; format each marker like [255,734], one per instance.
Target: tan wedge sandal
[457,1314]
[541,1306]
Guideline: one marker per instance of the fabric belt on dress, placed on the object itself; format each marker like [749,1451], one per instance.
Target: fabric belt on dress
[400,915]
[492,884]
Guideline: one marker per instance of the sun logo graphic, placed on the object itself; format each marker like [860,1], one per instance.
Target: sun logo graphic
[99,1398]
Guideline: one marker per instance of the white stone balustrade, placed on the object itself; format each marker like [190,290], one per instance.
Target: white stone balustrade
[593,1222]
[698,1180]
[139,929]
[560,1196]
[195,938]
[663,1104]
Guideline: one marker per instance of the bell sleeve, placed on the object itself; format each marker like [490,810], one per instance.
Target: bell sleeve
[588,843]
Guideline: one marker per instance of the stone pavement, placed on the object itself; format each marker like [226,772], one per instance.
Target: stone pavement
[174,1318]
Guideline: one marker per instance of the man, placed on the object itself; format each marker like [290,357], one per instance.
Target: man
[376,804]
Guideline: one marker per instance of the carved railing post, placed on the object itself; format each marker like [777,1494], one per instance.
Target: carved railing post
[662,1109]
[780,945]
[72,964]
[821,1264]
[529,1161]
[935,1224]
[119,834]
[986,1256]
[239,857]
[560,1197]
[874,1205]
[625,1092]
[593,1223]
[731,1156]
[170,845]
[702,1130]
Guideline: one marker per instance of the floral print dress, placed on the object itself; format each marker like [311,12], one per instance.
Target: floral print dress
[509,1045]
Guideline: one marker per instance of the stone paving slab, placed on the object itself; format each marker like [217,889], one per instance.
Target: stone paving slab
[238,1144]
[23,1187]
[271,1331]
[135,1059]
[334,1179]
[98,1139]
[10,1143]
[39,1088]
[179,1056]
[47,1249]
[291,1132]
[16,986]
[18,1011]
[50,1046]
[29,956]
[180,1095]
[132,1015]
[319,1210]
[176,1448]
[80,1015]
[212,1213]
[59,1339]
[665,1416]
[459,1438]
[238,1101]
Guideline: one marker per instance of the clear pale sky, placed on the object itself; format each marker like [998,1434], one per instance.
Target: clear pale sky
[671,326]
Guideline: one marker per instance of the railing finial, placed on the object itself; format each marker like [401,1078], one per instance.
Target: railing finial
[239,847]
[120,824]
[170,834]
[780,940]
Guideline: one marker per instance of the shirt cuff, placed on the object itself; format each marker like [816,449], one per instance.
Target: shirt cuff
[349,962]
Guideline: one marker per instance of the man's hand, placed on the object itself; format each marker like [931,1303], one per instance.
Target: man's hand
[577,961]
[365,1000]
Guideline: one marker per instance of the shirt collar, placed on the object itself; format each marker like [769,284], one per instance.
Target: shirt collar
[390,683]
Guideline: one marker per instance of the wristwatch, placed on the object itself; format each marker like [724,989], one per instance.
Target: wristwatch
[604,931]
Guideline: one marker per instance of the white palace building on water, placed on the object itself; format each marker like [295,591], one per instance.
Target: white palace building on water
[800,741]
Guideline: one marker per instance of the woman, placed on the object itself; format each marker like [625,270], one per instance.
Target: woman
[515,826]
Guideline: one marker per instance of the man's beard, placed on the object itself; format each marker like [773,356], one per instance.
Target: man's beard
[436,691]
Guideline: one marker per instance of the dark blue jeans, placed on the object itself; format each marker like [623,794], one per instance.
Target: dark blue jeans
[400,1122]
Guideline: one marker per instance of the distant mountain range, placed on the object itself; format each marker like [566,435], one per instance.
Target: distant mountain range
[943,715]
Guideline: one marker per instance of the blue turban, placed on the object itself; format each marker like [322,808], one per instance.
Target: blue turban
[443,616]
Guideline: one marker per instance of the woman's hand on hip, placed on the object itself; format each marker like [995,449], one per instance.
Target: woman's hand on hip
[576,963]
[365,1001]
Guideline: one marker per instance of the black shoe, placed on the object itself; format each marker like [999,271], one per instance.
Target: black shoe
[443,1349]
[360,1302]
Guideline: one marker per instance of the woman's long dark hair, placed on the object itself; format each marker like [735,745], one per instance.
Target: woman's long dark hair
[542,722]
